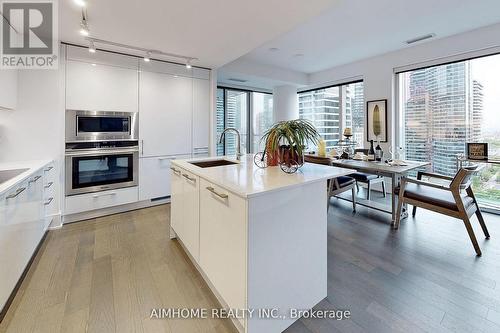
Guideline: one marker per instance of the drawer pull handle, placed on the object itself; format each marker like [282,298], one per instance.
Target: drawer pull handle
[46,203]
[178,172]
[19,191]
[34,180]
[103,195]
[49,168]
[220,195]
[189,178]
[49,184]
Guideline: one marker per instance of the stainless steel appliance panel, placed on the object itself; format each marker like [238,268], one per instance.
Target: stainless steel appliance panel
[101,125]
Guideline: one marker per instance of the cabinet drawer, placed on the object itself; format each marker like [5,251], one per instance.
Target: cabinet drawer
[223,239]
[92,201]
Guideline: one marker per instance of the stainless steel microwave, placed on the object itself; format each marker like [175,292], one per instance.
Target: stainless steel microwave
[101,125]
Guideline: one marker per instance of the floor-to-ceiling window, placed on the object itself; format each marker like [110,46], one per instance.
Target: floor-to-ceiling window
[332,109]
[444,107]
[250,112]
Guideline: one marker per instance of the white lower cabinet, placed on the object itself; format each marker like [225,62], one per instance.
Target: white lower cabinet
[185,219]
[92,201]
[223,242]
[154,176]
[22,226]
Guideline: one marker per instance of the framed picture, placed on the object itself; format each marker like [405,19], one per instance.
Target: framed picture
[376,120]
[477,151]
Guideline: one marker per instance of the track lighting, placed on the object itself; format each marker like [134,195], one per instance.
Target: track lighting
[84,28]
[81,3]
[92,47]
[188,64]
[147,57]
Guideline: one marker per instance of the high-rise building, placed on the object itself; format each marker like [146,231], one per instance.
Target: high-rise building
[333,109]
[443,112]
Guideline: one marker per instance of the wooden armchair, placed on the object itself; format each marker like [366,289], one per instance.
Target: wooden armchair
[455,199]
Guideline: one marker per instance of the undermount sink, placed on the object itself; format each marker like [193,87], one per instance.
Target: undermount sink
[212,163]
[6,175]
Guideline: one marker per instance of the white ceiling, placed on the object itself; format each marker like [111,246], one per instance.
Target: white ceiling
[356,29]
[215,31]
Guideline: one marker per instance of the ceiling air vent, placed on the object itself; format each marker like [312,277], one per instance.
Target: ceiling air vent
[420,38]
[237,80]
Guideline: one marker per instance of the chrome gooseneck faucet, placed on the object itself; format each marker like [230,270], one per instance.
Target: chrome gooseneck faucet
[238,146]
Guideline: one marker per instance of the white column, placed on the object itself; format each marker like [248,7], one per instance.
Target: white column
[285,103]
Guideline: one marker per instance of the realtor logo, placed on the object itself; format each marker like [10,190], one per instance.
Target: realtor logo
[29,34]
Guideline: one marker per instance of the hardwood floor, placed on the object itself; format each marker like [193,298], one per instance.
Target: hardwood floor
[105,275]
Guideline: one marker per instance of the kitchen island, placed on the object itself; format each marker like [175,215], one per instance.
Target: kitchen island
[257,236]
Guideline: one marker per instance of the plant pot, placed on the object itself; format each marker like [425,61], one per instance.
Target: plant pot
[272,157]
[290,156]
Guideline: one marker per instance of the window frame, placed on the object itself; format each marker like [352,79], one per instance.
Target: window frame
[339,85]
[249,114]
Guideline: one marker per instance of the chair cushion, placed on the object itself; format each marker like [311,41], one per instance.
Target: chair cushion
[345,181]
[363,177]
[433,196]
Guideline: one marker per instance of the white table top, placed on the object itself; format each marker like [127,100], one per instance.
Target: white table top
[245,179]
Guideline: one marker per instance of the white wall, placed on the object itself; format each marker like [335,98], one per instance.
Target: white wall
[35,129]
[377,72]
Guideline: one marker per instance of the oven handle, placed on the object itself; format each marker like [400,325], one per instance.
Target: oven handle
[106,152]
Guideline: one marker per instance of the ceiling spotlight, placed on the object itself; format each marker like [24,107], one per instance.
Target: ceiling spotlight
[188,64]
[81,3]
[84,28]
[92,48]
[147,57]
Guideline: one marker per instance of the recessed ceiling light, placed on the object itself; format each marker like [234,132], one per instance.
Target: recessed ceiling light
[147,57]
[94,65]
[274,49]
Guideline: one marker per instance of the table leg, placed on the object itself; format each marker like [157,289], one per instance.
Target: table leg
[404,211]
[393,198]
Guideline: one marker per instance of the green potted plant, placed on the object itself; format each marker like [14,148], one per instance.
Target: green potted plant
[286,141]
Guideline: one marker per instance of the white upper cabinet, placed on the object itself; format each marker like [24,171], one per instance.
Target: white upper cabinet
[91,86]
[201,114]
[101,81]
[8,89]
[165,124]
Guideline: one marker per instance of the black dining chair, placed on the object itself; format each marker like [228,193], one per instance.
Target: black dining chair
[367,178]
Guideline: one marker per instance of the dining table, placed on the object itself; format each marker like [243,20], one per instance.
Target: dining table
[381,168]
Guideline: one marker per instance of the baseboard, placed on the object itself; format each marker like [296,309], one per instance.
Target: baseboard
[112,210]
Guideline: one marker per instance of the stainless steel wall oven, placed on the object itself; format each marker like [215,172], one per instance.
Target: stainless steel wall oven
[100,166]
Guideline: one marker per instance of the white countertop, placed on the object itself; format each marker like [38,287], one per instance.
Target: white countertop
[245,179]
[32,166]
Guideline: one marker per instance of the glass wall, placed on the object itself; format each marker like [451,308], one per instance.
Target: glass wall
[332,109]
[444,107]
[250,112]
